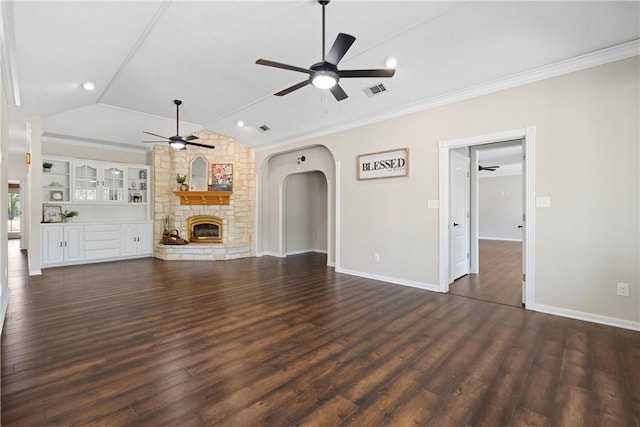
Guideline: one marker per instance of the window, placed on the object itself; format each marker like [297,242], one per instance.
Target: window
[14,208]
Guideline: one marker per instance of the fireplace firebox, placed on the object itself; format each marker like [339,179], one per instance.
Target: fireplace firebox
[204,229]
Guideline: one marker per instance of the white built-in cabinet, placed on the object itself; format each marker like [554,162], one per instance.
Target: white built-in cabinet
[62,243]
[80,243]
[136,239]
[91,181]
[56,180]
[113,201]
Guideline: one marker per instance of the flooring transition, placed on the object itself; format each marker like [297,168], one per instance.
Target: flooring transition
[500,277]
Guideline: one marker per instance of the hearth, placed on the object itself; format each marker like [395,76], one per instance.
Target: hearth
[204,229]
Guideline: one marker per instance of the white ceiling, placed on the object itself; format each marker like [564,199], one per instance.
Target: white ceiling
[143,55]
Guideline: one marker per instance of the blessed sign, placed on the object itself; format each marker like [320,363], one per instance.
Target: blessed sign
[385,164]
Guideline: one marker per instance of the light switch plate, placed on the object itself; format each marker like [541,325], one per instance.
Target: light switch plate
[543,202]
[433,204]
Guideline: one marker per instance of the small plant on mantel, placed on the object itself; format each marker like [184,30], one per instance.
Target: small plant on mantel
[181,179]
[46,166]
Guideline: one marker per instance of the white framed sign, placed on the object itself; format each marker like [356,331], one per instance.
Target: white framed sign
[384,164]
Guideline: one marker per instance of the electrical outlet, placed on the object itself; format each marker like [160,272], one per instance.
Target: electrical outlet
[376,257]
[623,289]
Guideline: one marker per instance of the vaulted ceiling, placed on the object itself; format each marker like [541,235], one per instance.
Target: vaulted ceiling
[143,55]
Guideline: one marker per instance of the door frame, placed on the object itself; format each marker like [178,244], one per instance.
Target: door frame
[527,135]
[467,216]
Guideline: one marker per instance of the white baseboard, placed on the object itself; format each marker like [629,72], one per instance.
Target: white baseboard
[306,251]
[329,263]
[394,280]
[588,317]
[500,238]
[275,254]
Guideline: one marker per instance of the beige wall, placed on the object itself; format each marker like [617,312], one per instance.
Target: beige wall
[500,207]
[587,153]
[305,212]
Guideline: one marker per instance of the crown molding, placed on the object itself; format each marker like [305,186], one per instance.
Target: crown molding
[582,62]
[49,137]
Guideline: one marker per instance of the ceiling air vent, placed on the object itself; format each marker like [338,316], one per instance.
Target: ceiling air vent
[375,90]
[264,128]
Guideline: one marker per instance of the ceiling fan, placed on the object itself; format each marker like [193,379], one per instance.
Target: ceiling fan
[488,168]
[177,141]
[325,74]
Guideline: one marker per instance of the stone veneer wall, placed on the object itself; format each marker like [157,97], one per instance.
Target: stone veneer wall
[238,217]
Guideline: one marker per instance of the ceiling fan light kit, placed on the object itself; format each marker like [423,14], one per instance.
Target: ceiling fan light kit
[324,79]
[325,74]
[178,142]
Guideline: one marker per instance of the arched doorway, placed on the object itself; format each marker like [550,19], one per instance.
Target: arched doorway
[288,172]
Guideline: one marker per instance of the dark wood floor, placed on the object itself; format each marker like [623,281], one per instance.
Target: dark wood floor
[284,342]
[500,277]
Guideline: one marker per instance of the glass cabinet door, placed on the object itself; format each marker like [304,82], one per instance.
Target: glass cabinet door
[85,182]
[113,184]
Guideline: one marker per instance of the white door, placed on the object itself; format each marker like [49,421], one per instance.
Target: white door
[459,184]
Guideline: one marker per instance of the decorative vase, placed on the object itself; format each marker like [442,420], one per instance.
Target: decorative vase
[184,187]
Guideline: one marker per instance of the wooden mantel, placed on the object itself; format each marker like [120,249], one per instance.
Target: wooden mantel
[203,197]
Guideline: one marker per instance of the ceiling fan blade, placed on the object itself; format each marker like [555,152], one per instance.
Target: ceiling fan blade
[383,72]
[155,142]
[155,134]
[340,47]
[190,138]
[290,89]
[199,145]
[338,93]
[283,66]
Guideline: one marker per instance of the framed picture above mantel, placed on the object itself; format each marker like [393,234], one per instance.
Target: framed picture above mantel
[222,177]
[384,164]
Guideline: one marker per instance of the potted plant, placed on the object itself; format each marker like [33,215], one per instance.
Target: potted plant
[69,214]
[181,179]
[46,166]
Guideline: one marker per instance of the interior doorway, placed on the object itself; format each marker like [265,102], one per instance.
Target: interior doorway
[14,211]
[305,213]
[526,255]
[496,211]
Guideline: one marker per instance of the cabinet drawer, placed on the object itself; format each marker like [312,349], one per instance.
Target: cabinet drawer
[102,241]
[101,232]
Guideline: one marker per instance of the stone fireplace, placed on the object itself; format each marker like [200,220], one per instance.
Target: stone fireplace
[215,231]
[204,229]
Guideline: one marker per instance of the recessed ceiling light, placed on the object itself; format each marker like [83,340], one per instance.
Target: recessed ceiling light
[240,123]
[88,86]
[391,62]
